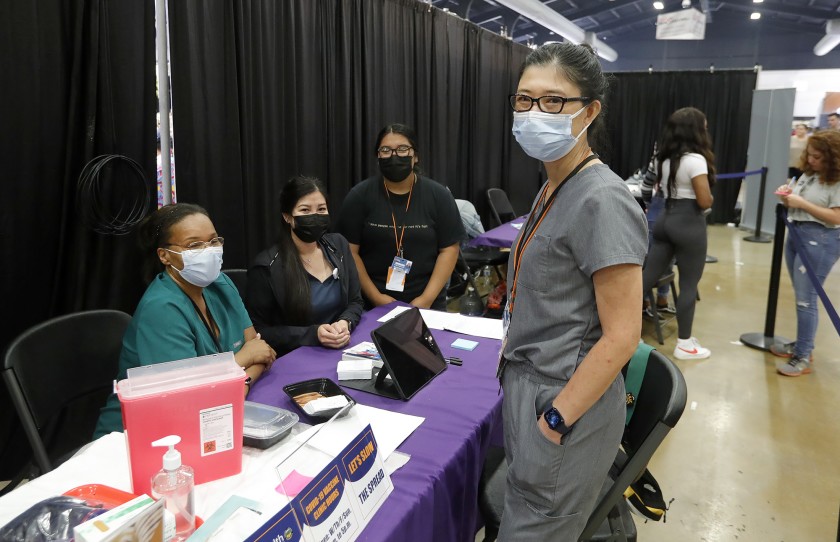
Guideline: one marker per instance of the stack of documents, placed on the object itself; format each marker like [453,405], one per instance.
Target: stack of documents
[364,350]
[355,369]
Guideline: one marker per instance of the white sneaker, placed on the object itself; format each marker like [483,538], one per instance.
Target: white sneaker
[690,349]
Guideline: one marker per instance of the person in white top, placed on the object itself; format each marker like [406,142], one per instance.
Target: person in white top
[798,142]
[685,171]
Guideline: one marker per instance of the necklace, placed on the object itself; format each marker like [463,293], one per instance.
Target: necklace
[308,261]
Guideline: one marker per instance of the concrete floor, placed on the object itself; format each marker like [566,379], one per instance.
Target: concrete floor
[756,456]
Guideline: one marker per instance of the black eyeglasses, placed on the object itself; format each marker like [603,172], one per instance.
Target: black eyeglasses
[547,104]
[386,152]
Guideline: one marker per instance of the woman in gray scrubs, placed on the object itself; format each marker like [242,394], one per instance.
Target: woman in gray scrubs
[574,303]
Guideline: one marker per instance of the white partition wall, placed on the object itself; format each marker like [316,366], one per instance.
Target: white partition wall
[772,112]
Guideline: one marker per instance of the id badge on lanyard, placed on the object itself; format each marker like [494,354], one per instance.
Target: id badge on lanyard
[400,267]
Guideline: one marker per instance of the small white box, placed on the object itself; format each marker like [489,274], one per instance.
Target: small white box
[355,369]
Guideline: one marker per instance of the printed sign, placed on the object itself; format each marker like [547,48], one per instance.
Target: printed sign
[686,24]
[339,502]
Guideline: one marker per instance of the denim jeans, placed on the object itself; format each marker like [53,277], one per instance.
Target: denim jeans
[822,248]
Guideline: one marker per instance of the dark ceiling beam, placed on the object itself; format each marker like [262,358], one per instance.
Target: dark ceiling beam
[462,9]
[817,30]
[817,27]
[596,9]
[776,7]
[621,22]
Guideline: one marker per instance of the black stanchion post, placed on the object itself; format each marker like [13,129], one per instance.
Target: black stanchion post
[758,237]
[765,341]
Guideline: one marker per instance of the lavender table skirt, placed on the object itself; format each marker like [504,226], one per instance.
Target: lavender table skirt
[435,494]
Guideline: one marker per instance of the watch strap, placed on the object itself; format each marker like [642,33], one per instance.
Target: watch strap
[555,421]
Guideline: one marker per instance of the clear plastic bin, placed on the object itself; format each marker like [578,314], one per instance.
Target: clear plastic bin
[265,425]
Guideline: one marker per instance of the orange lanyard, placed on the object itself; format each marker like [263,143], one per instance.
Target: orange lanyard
[399,241]
[528,232]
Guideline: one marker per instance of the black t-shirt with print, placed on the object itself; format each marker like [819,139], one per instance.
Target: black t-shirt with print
[431,223]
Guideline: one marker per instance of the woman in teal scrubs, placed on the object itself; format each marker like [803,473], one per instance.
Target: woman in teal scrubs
[190,308]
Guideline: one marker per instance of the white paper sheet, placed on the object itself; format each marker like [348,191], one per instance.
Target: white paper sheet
[476,326]
[488,328]
[392,313]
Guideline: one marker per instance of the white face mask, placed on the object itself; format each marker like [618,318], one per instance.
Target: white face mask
[201,267]
[545,136]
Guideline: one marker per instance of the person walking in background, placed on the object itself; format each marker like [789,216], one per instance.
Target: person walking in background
[833,121]
[654,205]
[685,171]
[814,209]
[798,142]
[574,304]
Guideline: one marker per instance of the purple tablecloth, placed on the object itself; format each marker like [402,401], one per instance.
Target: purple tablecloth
[501,236]
[435,494]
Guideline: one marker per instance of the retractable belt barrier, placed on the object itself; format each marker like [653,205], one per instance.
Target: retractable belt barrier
[809,269]
[757,237]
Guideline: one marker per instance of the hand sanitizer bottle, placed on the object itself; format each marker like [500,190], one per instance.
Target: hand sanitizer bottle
[175,484]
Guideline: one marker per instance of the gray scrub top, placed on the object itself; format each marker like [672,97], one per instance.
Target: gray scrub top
[594,223]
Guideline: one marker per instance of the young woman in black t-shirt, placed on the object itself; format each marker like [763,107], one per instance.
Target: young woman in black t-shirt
[404,229]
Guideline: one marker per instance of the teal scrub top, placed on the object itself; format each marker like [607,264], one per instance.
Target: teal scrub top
[166,327]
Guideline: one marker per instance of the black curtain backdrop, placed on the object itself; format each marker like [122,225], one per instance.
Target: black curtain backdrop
[640,103]
[266,90]
[79,82]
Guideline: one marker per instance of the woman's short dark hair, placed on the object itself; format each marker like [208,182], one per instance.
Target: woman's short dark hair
[298,295]
[685,131]
[155,231]
[579,64]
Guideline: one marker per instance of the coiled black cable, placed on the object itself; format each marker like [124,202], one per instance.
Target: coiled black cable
[116,208]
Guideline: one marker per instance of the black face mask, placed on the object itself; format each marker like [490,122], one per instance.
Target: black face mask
[310,228]
[395,168]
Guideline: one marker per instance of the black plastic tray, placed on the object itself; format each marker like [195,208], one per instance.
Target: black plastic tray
[325,387]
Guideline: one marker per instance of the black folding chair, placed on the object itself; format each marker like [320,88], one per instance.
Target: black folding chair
[58,375]
[500,207]
[239,277]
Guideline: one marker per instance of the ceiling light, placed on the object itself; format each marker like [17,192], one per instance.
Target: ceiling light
[755,16]
[658,5]
[757,1]
[831,38]
[686,4]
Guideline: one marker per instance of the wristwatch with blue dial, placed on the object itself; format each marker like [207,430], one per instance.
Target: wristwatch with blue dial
[555,421]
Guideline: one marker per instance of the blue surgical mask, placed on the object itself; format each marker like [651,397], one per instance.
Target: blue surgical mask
[201,267]
[545,136]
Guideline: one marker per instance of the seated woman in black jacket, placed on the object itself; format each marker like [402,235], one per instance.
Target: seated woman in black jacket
[305,289]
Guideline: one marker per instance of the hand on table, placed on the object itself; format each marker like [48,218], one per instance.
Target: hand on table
[333,337]
[256,352]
